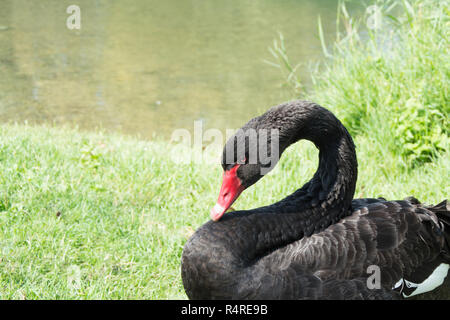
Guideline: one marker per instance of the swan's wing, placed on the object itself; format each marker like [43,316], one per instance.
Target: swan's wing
[355,289]
[359,203]
[294,283]
[400,238]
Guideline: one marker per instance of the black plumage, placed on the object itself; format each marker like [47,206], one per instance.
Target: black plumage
[319,242]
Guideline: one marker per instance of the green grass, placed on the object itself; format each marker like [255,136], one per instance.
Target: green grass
[390,82]
[98,216]
[109,207]
[104,216]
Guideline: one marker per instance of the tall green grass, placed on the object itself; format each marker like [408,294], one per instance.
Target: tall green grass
[387,79]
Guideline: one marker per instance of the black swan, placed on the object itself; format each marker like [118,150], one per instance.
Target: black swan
[319,242]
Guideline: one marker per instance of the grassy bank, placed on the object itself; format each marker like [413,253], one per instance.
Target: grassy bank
[387,77]
[103,216]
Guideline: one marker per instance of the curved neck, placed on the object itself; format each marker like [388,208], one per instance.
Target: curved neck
[322,201]
[327,197]
[237,246]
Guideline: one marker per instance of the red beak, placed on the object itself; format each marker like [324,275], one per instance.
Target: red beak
[230,190]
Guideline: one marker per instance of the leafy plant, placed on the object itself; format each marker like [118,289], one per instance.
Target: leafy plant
[390,76]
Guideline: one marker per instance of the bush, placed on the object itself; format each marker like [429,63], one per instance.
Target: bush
[391,81]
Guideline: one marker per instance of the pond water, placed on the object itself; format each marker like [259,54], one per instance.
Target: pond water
[149,67]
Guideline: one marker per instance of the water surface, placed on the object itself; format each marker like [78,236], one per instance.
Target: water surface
[151,66]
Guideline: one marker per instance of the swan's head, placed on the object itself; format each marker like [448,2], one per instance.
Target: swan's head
[255,149]
[247,156]
[236,178]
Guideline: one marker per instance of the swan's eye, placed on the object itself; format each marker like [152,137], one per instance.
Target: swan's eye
[243,161]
